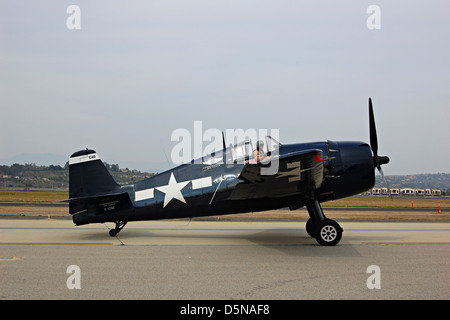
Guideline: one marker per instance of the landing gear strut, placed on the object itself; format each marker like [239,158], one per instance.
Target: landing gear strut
[116,230]
[327,232]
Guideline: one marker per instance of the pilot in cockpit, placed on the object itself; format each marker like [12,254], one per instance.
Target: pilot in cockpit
[259,154]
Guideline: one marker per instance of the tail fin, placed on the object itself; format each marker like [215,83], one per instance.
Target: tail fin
[88,175]
[88,178]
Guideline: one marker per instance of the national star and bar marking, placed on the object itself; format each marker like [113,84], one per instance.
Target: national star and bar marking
[173,189]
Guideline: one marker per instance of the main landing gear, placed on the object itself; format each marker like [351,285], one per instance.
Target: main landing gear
[327,232]
[116,230]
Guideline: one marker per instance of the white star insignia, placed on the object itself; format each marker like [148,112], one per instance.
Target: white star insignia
[173,190]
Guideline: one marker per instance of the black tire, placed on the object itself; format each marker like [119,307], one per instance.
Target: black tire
[329,233]
[112,233]
[311,227]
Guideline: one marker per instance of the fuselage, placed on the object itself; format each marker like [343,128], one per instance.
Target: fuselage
[205,187]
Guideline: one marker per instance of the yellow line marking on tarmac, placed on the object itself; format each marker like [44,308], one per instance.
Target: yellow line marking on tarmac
[55,243]
[9,258]
[407,243]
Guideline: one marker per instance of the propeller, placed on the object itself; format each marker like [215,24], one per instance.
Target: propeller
[377,160]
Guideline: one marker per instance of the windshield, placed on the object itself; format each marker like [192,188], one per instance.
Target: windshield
[272,144]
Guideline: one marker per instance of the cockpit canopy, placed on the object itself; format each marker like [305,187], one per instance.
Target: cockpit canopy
[241,152]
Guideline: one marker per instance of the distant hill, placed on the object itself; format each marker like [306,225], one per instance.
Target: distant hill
[32,175]
[417,181]
[39,159]
[47,159]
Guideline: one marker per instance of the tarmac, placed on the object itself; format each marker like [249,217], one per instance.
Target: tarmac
[222,260]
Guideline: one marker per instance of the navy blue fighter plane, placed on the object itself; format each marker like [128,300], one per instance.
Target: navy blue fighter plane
[231,181]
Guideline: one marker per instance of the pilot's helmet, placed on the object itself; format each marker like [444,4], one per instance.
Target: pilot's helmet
[259,145]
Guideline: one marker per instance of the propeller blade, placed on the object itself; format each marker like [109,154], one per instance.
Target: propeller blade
[373,131]
[382,175]
[384,179]
[377,160]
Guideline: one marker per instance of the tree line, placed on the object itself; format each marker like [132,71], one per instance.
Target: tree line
[16,168]
[30,175]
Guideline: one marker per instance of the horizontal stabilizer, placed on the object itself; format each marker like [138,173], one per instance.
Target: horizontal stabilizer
[103,200]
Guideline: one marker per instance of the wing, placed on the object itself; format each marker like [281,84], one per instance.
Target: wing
[297,172]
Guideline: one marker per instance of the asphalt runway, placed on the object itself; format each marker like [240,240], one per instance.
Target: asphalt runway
[243,260]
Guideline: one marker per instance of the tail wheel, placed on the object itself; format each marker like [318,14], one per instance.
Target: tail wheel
[118,228]
[329,233]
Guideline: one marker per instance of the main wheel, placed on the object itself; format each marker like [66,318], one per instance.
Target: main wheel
[329,233]
[112,233]
[311,227]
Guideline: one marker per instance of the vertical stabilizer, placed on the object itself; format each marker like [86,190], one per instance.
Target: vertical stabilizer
[88,177]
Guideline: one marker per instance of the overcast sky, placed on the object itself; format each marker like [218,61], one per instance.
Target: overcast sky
[138,70]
